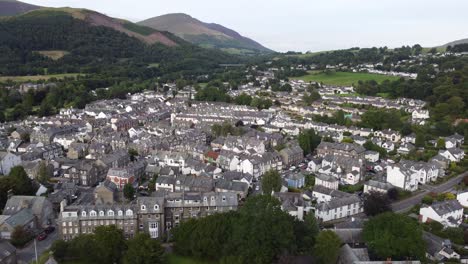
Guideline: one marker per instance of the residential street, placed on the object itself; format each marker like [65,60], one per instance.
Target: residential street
[407,204]
[27,254]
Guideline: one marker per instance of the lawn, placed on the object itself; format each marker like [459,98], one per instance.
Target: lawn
[53,54]
[36,77]
[175,259]
[343,78]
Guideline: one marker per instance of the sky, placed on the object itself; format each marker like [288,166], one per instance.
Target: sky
[307,25]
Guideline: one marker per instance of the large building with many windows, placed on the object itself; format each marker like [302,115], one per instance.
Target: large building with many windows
[155,215]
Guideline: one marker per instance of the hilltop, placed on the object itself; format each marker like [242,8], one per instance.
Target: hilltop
[456,42]
[208,35]
[12,7]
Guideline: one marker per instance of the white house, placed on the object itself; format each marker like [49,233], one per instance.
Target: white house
[408,174]
[377,186]
[372,156]
[328,181]
[453,154]
[462,198]
[8,160]
[448,213]
[323,194]
[339,208]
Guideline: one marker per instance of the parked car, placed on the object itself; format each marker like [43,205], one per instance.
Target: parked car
[42,236]
[49,229]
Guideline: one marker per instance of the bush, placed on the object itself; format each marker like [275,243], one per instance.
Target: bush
[20,237]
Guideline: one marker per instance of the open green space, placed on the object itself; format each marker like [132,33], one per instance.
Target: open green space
[36,77]
[175,259]
[343,78]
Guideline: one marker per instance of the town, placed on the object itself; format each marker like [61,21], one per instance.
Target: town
[176,141]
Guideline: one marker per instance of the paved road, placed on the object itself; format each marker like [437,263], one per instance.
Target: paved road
[27,254]
[407,204]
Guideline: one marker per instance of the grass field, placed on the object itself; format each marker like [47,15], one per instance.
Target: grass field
[343,78]
[53,54]
[36,77]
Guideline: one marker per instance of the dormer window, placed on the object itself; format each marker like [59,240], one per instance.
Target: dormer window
[156,207]
[224,198]
[212,198]
[101,213]
[129,212]
[205,199]
[143,207]
[83,214]
[92,213]
[110,213]
[120,213]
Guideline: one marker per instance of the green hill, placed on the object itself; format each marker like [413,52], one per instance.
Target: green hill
[92,42]
[208,35]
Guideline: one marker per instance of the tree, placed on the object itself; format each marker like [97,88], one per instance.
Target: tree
[20,236]
[144,250]
[110,243]
[308,140]
[392,194]
[376,203]
[133,154]
[271,181]
[22,184]
[441,143]
[420,140]
[395,236]
[327,247]
[128,191]
[43,173]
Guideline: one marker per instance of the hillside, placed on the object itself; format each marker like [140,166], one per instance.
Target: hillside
[208,35]
[67,40]
[456,42]
[12,7]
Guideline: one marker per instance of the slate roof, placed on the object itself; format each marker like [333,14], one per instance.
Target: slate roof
[445,207]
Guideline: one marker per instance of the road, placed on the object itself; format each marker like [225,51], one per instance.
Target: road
[407,204]
[27,254]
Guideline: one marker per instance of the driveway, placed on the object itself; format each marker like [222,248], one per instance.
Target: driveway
[27,254]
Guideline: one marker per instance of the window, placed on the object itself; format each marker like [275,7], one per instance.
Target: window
[156,207]
[120,213]
[143,207]
[83,214]
[110,213]
[129,212]
[212,198]
[101,213]
[205,199]
[224,198]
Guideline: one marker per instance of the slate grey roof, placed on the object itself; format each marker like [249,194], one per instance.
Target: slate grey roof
[337,203]
[379,184]
[445,207]
[6,250]
[330,192]
[18,202]
[21,218]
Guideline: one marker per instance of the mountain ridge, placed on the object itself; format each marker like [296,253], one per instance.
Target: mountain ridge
[210,35]
[13,7]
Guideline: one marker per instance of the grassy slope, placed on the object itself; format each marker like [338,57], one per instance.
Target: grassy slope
[343,78]
[36,77]
[53,54]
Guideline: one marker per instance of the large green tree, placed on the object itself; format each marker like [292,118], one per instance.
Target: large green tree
[142,249]
[395,236]
[22,184]
[376,203]
[129,191]
[110,243]
[308,140]
[271,181]
[327,247]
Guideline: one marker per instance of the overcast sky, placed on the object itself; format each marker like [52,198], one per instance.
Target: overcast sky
[303,25]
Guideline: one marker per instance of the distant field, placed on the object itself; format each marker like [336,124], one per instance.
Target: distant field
[53,54]
[36,77]
[343,78]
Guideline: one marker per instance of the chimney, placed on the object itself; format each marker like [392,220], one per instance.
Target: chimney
[10,193]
